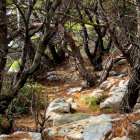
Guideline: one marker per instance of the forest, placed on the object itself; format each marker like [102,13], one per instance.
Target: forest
[70,69]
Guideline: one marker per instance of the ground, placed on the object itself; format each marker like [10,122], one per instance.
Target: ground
[59,88]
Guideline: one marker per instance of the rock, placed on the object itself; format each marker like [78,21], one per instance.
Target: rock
[113,73]
[121,76]
[126,83]
[125,71]
[75,77]
[64,76]
[83,83]
[122,62]
[73,90]
[69,118]
[59,105]
[19,135]
[35,136]
[122,138]
[70,100]
[112,88]
[52,76]
[114,100]
[104,85]
[121,83]
[93,128]
[97,92]
[73,105]
[72,69]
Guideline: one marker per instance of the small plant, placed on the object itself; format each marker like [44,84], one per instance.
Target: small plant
[21,104]
[95,101]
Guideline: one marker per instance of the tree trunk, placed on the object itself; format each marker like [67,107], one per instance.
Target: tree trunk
[55,55]
[3,40]
[90,79]
[5,100]
[131,96]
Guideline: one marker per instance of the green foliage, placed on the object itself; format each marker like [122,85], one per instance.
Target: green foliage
[95,101]
[22,103]
[0,118]
[15,65]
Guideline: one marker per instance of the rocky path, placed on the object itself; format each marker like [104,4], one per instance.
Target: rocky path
[74,115]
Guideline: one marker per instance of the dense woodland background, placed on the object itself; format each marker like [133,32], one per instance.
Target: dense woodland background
[36,36]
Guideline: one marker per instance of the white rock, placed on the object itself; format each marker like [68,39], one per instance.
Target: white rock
[3,135]
[113,73]
[104,84]
[93,128]
[96,92]
[113,101]
[16,135]
[69,118]
[35,136]
[73,105]
[122,62]
[108,86]
[73,90]
[18,132]
[70,100]
[126,83]
[112,88]
[121,75]
[83,83]
[59,105]
[121,83]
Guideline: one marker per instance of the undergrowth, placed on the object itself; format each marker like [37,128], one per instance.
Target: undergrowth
[21,104]
[94,102]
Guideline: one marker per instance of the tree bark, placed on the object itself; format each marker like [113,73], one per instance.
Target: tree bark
[5,100]
[3,40]
[90,79]
[133,90]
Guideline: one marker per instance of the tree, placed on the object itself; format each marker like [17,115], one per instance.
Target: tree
[5,100]
[3,40]
[132,94]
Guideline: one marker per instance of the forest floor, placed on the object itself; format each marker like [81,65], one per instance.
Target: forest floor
[59,89]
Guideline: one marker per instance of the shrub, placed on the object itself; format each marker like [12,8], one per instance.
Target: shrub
[21,104]
[95,101]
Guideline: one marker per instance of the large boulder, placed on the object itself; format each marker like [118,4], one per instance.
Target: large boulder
[93,128]
[73,90]
[69,118]
[113,102]
[56,107]
[19,135]
[117,93]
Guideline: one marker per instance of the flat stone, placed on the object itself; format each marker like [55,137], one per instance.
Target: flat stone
[19,135]
[73,90]
[93,128]
[96,92]
[69,118]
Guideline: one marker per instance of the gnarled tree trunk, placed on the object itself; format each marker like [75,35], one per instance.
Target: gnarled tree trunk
[5,100]
[133,90]
[91,80]
[3,40]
